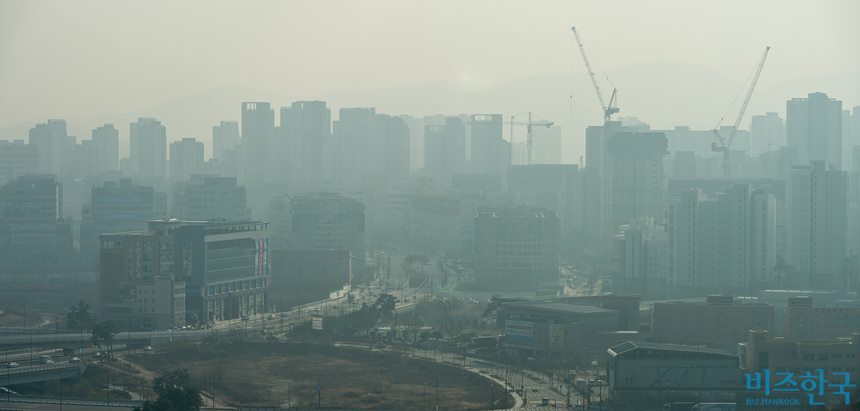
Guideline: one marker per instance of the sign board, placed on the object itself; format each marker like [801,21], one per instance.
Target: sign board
[316,322]
[556,337]
[519,332]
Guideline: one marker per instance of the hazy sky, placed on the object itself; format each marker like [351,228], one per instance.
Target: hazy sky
[71,59]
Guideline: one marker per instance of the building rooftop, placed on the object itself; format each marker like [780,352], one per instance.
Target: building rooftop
[518,211]
[629,346]
[552,306]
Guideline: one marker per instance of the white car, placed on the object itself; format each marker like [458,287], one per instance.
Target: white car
[75,359]
[13,364]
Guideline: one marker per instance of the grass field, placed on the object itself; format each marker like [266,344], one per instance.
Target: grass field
[268,374]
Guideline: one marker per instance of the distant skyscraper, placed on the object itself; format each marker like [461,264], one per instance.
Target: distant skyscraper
[814,126]
[119,207]
[84,160]
[767,133]
[17,159]
[106,144]
[33,235]
[319,222]
[369,147]
[148,149]
[186,159]
[306,125]
[817,203]
[55,146]
[225,136]
[444,150]
[546,145]
[490,153]
[636,184]
[722,243]
[258,130]
[206,198]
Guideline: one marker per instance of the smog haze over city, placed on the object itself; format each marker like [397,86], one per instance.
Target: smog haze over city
[429,205]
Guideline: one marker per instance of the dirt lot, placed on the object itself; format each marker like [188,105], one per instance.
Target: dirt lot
[267,374]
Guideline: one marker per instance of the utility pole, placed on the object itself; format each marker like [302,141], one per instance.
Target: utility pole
[319,393]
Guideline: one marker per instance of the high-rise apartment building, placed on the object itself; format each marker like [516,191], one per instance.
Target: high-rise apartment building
[186,159]
[368,146]
[636,183]
[105,140]
[306,127]
[225,136]
[546,145]
[444,150]
[817,207]
[490,153]
[17,159]
[767,133]
[722,243]
[814,127]
[258,133]
[148,154]
[54,146]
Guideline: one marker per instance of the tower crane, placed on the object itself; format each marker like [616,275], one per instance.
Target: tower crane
[723,144]
[530,123]
[608,109]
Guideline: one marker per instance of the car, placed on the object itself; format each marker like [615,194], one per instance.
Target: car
[47,361]
[544,401]
[75,359]
[245,317]
[13,364]
[147,348]
[99,354]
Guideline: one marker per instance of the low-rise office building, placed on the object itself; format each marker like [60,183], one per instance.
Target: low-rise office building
[553,329]
[803,320]
[779,356]
[225,266]
[720,321]
[643,373]
[515,247]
